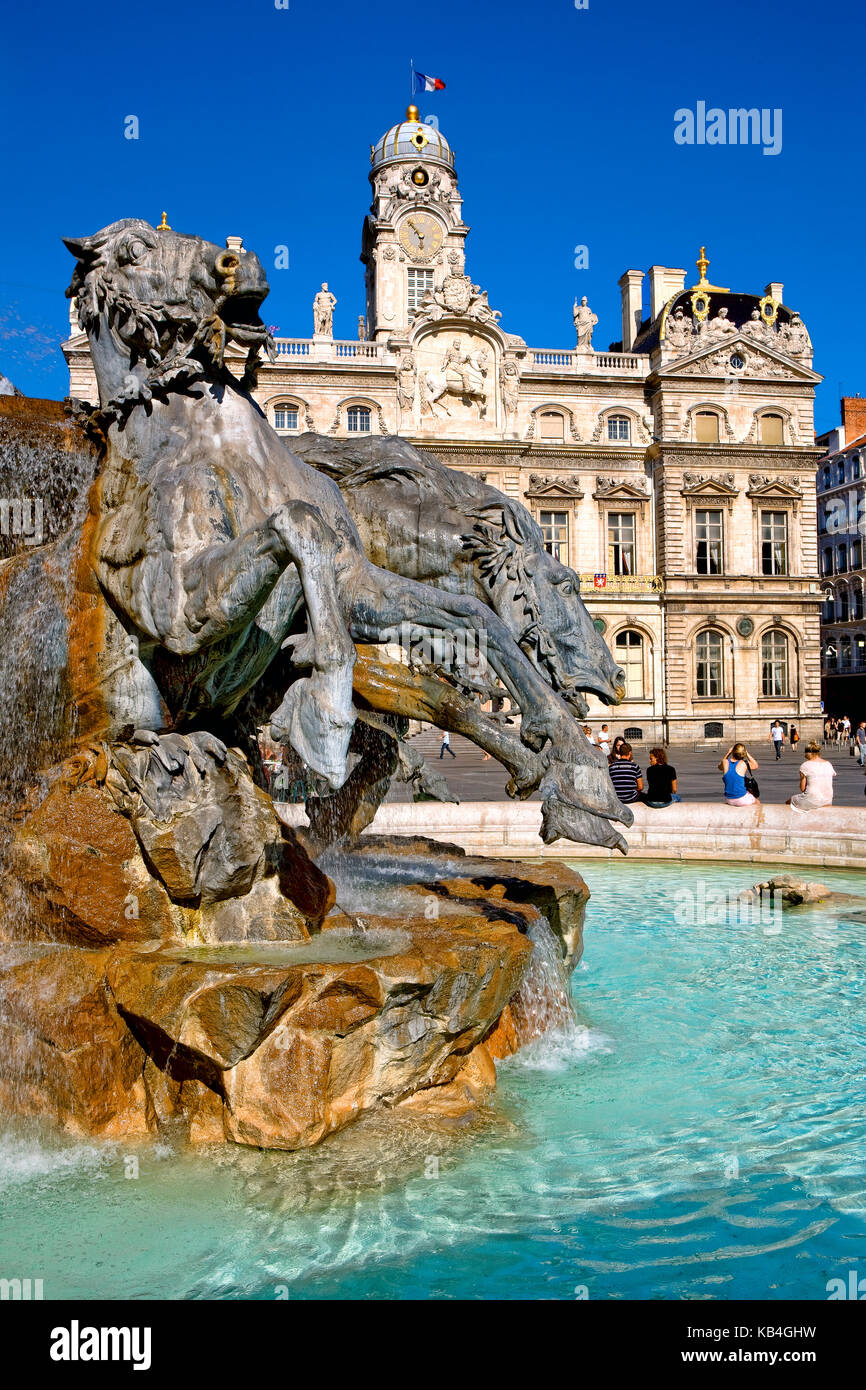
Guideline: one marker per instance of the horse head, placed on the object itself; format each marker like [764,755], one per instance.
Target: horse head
[157,303]
[539,598]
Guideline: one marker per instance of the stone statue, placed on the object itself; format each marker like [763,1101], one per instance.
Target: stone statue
[463,374]
[406,375]
[756,327]
[678,331]
[323,312]
[509,381]
[584,322]
[795,340]
[362,328]
[718,327]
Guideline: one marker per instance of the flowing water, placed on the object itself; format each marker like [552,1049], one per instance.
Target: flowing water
[698,1133]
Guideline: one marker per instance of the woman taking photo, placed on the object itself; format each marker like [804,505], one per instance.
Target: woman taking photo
[735,767]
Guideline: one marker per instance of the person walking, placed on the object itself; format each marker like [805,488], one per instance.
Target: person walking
[794,737]
[445,746]
[735,767]
[777,735]
[625,774]
[816,781]
[860,743]
[661,780]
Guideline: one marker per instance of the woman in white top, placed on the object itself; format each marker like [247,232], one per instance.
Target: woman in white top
[816,782]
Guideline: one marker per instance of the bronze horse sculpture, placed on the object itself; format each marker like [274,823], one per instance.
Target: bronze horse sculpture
[222,572]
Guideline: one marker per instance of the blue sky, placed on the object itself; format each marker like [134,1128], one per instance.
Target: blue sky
[257,121]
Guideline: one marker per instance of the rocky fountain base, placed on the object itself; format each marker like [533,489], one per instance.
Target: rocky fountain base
[209,981]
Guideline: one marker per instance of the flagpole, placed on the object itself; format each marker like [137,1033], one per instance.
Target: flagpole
[411,77]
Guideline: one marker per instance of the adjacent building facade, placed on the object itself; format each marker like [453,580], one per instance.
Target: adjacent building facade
[675,471]
[841,486]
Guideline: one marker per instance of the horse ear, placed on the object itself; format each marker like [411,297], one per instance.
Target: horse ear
[81,247]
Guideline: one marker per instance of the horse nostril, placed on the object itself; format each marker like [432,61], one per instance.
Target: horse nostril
[619,691]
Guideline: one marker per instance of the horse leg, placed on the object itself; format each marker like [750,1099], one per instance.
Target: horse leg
[578,801]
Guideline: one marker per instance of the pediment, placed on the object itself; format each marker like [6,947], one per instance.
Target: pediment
[714,359]
[778,489]
[709,485]
[545,485]
[622,489]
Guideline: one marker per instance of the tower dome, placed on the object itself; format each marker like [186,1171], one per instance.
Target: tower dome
[411,139]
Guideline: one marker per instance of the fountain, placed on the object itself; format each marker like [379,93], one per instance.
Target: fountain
[173,957]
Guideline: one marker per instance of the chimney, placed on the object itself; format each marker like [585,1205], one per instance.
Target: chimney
[853,417]
[632,306]
[664,284]
[775,289]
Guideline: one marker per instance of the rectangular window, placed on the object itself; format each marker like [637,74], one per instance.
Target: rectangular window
[708,538]
[774,542]
[621,543]
[555,528]
[707,427]
[420,281]
[286,417]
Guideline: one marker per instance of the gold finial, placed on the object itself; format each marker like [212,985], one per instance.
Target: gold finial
[702,263]
[163,226]
[412,113]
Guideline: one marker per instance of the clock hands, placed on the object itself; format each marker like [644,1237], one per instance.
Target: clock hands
[417,230]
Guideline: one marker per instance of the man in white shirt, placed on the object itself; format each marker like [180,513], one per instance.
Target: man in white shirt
[777,734]
[604,740]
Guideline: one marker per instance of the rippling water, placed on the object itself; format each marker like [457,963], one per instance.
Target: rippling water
[701,1134]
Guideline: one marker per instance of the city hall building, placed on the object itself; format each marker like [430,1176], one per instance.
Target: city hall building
[674,470]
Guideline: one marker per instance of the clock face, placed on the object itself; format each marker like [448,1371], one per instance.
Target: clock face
[421,236]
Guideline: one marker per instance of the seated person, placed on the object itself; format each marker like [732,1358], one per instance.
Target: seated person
[661,780]
[735,767]
[625,774]
[816,782]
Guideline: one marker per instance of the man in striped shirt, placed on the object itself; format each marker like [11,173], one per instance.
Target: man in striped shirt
[625,774]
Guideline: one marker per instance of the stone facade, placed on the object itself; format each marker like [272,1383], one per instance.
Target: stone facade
[841,484]
[674,471]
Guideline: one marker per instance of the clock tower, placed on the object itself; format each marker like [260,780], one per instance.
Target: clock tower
[414,234]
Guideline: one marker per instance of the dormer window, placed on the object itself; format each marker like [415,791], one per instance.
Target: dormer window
[619,428]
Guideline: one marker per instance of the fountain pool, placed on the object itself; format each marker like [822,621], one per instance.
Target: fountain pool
[700,1134]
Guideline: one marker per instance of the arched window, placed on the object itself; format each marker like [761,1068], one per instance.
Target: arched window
[859,652]
[618,427]
[827,560]
[629,653]
[774,664]
[706,427]
[772,429]
[840,471]
[633,735]
[845,652]
[857,555]
[841,558]
[710,664]
[856,601]
[358,419]
[551,425]
[827,476]
[831,657]
[285,417]
[828,611]
[714,730]
[855,467]
[842,604]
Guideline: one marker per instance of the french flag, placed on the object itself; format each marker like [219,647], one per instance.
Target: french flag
[423,83]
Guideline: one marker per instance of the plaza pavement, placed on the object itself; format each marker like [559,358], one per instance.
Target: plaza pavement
[472,779]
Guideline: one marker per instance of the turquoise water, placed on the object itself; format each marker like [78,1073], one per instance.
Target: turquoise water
[702,1134]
